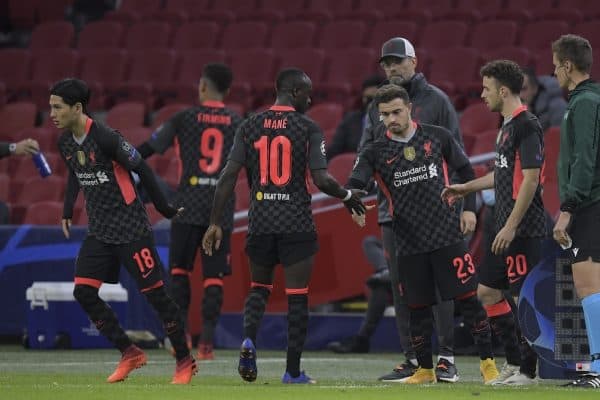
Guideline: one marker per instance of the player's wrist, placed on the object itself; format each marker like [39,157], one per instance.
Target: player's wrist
[12,148]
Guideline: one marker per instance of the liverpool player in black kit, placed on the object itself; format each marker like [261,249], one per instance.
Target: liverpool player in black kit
[203,137]
[277,147]
[100,162]
[519,213]
[410,165]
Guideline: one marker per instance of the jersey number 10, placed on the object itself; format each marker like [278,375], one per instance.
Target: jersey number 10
[275,158]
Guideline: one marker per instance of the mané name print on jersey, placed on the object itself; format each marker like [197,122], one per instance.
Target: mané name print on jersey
[278,147]
[203,137]
[101,165]
[412,175]
[519,145]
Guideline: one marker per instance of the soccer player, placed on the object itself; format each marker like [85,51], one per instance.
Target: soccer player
[203,137]
[579,185]
[100,162]
[277,147]
[432,106]
[410,164]
[519,213]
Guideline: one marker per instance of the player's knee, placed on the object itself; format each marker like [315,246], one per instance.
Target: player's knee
[85,294]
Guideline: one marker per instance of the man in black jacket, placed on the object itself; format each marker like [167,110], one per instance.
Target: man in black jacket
[432,106]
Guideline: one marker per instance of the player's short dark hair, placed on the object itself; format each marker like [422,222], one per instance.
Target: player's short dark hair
[72,91]
[219,75]
[373,80]
[576,49]
[506,72]
[290,78]
[390,92]
[529,72]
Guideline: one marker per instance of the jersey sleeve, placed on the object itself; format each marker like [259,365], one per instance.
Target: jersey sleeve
[162,138]
[117,148]
[238,150]
[530,146]
[452,151]
[317,157]
[363,169]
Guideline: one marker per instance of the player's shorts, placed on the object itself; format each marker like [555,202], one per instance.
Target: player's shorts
[186,239]
[285,248]
[101,261]
[451,268]
[584,233]
[508,270]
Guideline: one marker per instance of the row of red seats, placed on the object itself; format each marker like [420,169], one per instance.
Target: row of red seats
[158,77]
[325,10]
[294,34]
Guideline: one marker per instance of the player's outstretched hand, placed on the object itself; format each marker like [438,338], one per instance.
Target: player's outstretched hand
[454,192]
[354,204]
[66,227]
[212,239]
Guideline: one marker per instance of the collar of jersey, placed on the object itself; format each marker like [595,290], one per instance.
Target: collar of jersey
[213,103]
[88,125]
[519,110]
[389,134]
[281,108]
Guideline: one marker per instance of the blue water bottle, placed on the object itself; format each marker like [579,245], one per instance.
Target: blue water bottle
[41,164]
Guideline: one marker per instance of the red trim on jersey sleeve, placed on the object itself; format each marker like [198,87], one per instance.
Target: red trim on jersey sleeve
[124,182]
[264,285]
[213,104]
[517,177]
[296,291]
[497,309]
[445,170]
[282,108]
[213,282]
[177,150]
[519,110]
[386,192]
[179,271]
[88,282]
[149,288]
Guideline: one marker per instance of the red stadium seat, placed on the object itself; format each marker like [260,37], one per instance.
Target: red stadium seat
[185,88]
[541,34]
[485,142]
[478,118]
[290,7]
[309,60]
[350,65]
[571,16]
[44,213]
[147,35]
[459,75]
[147,68]
[443,34]
[589,30]
[520,55]
[240,6]
[55,10]
[591,8]
[293,34]
[386,7]
[93,35]
[336,7]
[244,35]
[37,189]
[493,34]
[4,185]
[52,35]
[46,137]
[15,117]
[197,34]
[15,69]
[126,115]
[340,167]
[102,69]
[49,66]
[385,30]
[326,115]
[22,13]
[132,10]
[342,34]
[136,135]
[167,112]
[488,8]
[529,4]
[256,66]
[438,8]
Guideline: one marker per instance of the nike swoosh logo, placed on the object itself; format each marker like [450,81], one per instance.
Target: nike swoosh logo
[391,160]
[513,280]
[465,280]
[147,274]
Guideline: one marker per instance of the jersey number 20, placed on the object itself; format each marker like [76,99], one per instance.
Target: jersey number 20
[275,159]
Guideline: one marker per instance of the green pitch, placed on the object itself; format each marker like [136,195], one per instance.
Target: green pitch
[81,374]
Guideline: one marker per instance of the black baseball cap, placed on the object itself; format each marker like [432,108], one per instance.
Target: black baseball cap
[397,47]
